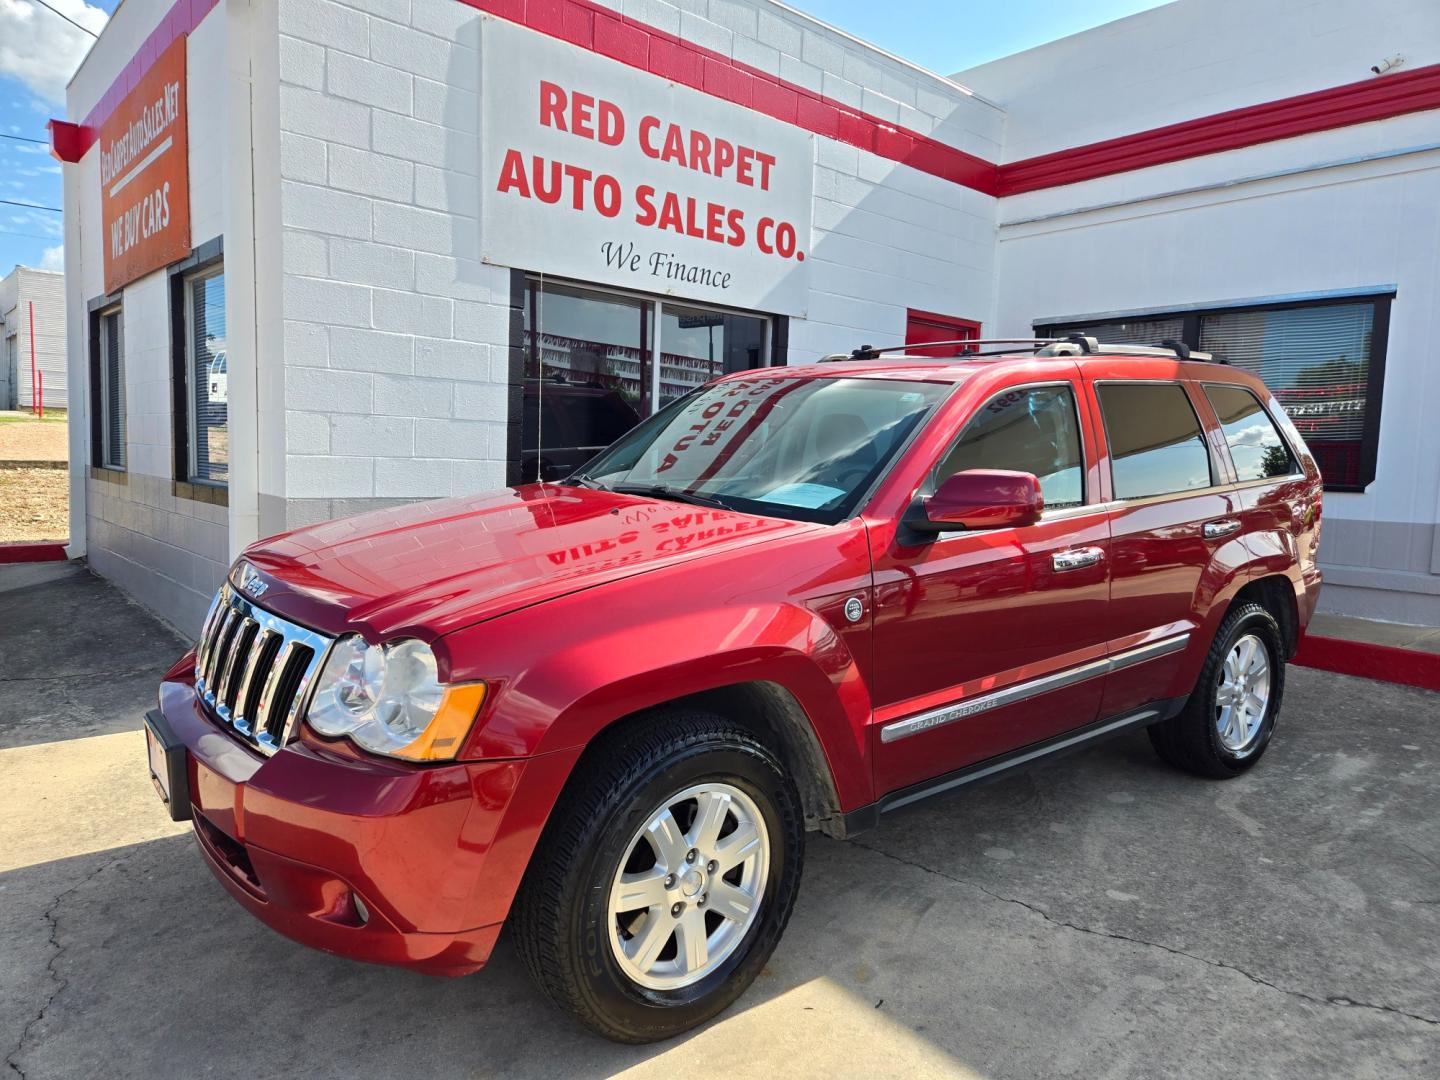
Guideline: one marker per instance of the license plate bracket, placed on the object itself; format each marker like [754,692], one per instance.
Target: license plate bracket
[168,764]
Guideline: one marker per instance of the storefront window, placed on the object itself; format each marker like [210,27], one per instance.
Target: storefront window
[594,369]
[696,345]
[1316,361]
[111,387]
[208,373]
[1322,359]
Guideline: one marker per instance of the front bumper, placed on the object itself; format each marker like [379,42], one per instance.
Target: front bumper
[378,861]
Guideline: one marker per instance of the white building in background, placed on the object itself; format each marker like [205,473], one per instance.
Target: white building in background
[448,246]
[29,362]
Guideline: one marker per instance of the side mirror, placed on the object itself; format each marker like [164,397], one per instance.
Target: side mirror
[980,499]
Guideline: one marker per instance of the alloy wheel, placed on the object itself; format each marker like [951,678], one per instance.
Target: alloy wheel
[689,886]
[1242,694]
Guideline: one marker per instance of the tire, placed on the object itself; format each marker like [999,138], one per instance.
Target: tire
[1203,738]
[569,935]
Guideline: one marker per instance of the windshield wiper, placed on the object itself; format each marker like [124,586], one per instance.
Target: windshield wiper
[663,491]
[586,482]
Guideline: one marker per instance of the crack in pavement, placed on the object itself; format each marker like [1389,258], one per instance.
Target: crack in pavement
[1337,1001]
[12,1059]
[71,676]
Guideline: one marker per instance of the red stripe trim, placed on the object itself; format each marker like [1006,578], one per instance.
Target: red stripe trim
[646,48]
[70,142]
[1305,114]
[32,552]
[1409,667]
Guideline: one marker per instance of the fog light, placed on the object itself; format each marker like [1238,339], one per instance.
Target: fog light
[361,911]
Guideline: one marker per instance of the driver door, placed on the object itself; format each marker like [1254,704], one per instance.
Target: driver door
[983,638]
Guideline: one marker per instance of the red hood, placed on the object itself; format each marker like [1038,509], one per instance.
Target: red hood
[429,568]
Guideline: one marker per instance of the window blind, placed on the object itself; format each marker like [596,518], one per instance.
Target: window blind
[1316,360]
[209,380]
[114,379]
[1126,332]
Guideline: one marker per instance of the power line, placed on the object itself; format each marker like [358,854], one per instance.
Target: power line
[24,138]
[67,18]
[30,235]
[32,206]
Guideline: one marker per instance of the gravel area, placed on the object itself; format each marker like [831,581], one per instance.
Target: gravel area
[25,439]
[34,504]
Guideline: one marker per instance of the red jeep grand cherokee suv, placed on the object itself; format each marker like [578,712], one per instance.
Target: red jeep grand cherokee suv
[607,710]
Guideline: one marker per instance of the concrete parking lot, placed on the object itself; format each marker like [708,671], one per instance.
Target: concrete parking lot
[1102,916]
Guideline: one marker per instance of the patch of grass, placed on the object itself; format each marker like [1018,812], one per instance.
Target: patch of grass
[49,418]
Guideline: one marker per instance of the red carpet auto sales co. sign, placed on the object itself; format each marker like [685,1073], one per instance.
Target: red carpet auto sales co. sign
[595,170]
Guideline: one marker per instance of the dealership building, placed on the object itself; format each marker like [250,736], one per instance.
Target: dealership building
[329,255]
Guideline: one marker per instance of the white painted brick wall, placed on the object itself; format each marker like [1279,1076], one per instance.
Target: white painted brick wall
[380,154]
[1194,58]
[167,551]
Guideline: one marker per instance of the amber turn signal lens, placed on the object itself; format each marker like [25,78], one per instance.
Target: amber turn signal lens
[445,734]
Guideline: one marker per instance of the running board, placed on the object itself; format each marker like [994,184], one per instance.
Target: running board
[867,817]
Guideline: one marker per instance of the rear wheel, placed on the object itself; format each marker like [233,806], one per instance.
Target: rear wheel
[665,879]
[1227,723]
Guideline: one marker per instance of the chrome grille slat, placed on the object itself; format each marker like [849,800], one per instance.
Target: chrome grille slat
[251,661]
[235,653]
[218,654]
[283,660]
[207,642]
[259,643]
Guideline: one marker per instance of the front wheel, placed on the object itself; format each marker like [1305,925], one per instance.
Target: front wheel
[665,877]
[1228,720]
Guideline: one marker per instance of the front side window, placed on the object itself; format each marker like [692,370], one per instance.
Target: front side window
[1032,429]
[111,390]
[1256,447]
[1156,445]
[207,372]
[807,449]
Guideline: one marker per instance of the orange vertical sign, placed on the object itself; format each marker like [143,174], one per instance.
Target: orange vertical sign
[145,174]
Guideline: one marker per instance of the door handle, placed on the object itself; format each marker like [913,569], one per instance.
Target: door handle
[1214,530]
[1076,558]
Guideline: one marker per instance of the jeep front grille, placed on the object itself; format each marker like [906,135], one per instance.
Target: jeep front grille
[253,669]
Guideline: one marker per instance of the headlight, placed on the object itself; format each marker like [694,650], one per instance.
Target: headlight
[388,699]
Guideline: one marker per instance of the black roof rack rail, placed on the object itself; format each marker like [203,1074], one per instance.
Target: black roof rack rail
[870,352]
[1070,345]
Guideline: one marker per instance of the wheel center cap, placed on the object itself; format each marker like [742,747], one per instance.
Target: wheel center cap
[692,882]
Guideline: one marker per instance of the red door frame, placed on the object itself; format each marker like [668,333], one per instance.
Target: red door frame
[923,326]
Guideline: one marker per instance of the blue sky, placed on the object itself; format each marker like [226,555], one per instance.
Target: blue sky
[39,51]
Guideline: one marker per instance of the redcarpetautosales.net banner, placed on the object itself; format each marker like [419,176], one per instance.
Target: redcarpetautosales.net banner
[594,170]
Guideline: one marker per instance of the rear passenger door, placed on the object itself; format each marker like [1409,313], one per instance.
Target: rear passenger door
[1171,529]
[1276,504]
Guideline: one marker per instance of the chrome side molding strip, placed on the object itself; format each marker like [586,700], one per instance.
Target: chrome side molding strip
[948,714]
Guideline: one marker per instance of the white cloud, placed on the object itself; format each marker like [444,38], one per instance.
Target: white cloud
[53,258]
[1255,435]
[41,49]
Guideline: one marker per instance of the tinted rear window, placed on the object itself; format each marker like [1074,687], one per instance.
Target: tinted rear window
[1156,445]
[1255,446]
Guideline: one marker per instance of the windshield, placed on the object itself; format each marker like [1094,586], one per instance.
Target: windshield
[802,448]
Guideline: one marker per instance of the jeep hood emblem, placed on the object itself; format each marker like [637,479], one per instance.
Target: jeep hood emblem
[250,581]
